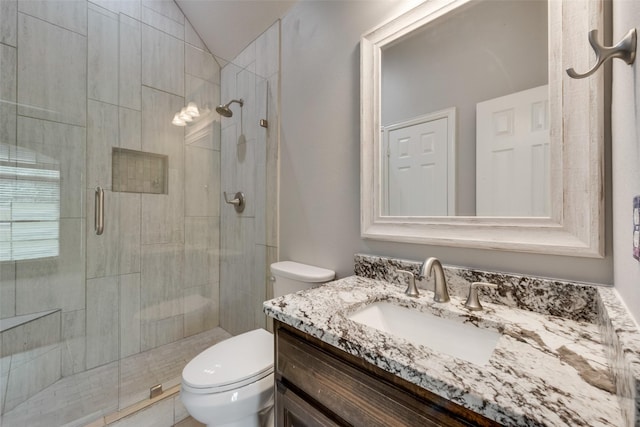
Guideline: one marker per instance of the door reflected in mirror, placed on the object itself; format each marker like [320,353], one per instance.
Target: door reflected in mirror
[465,114]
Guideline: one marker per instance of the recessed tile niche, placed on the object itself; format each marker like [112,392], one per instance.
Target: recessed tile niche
[139,172]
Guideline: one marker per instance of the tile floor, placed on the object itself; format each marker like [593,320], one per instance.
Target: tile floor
[189,422]
[84,397]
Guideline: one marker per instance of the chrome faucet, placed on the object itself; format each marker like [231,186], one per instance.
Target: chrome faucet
[441,294]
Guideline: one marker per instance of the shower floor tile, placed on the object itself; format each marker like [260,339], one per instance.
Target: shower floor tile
[81,398]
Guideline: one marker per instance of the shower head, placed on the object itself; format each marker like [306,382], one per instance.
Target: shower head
[225,111]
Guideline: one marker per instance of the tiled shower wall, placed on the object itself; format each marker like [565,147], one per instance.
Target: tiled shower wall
[77,79]
[249,164]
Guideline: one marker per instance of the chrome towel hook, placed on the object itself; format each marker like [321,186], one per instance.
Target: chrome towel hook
[625,49]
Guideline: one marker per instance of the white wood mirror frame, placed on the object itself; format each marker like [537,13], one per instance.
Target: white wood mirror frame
[576,224]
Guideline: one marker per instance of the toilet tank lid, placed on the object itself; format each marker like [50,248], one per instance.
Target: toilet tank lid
[301,272]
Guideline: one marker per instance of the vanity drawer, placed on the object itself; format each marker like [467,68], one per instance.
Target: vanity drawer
[350,395]
[293,410]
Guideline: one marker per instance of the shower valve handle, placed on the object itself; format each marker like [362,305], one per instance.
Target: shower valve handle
[237,201]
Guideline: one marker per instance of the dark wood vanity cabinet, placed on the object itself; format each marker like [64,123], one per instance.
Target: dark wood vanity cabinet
[320,385]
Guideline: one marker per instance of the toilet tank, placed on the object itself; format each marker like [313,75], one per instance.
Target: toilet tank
[292,277]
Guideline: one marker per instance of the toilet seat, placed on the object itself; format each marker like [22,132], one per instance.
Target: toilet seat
[230,364]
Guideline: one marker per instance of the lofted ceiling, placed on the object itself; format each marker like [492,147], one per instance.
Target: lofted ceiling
[228,26]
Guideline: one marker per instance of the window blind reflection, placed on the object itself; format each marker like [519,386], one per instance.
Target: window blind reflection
[29,204]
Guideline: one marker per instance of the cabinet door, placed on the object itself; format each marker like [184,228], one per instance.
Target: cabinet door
[293,411]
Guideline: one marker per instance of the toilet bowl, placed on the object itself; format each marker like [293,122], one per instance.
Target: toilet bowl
[230,384]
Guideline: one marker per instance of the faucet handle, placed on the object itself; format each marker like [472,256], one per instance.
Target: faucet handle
[473,303]
[412,289]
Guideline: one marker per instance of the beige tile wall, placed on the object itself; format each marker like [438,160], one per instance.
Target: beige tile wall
[79,78]
[249,163]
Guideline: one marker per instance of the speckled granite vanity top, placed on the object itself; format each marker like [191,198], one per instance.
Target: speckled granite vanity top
[545,370]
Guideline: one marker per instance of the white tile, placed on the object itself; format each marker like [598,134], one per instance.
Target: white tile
[130,232]
[158,415]
[161,283]
[246,174]
[247,83]
[5,362]
[164,213]
[162,23]
[237,252]
[179,411]
[268,51]
[102,60]
[55,282]
[130,63]
[130,129]
[261,274]
[33,376]
[272,256]
[59,147]
[129,314]
[202,64]
[8,62]
[202,182]
[227,161]
[102,321]
[103,250]
[271,207]
[85,396]
[158,134]
[169,330]
[126,7]
[236,321]
[162,61]
[34,335]
[212,315]
[7,290]
[8,91]
[260,159]
[192,37]
[166,8]
[9,22]
[59,94]
[195,308]
[228,150]
[73,342]
[102,136]
[203,132]
[201,236]
[71,15]
[228,88]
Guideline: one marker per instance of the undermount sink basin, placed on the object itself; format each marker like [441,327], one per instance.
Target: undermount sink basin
[461,340]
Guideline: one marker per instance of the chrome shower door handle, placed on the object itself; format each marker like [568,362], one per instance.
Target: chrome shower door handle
[99,211]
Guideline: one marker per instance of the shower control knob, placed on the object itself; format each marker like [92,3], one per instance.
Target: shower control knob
[238,201]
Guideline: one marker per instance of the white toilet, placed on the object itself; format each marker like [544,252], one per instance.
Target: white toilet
[230,384]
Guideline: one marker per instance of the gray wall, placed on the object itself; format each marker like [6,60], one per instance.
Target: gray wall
[320,153]
[626,157]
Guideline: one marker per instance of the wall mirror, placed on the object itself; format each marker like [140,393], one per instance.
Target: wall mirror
[472,133]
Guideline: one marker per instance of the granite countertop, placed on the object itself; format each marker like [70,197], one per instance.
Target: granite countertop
[545,370]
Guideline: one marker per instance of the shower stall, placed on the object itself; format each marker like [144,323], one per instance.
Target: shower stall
[119,260]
